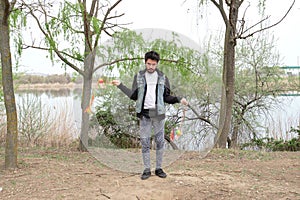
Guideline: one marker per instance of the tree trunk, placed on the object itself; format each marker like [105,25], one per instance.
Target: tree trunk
[86,97]
[11,147]
[236,127]
[234,138]
[228,77]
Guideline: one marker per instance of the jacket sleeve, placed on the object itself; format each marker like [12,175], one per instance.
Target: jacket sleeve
[168,98]
[131,93]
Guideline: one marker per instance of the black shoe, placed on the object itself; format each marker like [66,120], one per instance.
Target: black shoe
[146,174]
[160,173]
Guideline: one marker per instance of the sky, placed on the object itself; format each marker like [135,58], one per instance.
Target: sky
[184,17]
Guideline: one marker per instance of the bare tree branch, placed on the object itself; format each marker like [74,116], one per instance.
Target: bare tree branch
[65,24]
[268,27]
[104,21]
[48,49]
[220,6]
[86,23]
[242,21]
[93,6]
[202,118]
[115,61]
[116,16]
[256,24]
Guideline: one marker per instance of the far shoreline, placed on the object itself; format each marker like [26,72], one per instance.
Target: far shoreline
[49,86]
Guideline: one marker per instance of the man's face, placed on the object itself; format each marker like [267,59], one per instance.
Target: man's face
[151,65]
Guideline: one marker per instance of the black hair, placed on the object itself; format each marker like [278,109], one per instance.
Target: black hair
[153,55]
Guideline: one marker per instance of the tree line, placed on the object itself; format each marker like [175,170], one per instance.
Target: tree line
[48,79]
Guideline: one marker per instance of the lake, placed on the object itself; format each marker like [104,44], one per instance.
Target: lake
[288,115]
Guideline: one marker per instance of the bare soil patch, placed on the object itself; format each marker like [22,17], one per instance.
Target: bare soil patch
[222,174]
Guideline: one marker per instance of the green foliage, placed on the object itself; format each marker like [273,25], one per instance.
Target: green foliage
[182,65]
[96,24]
[296,130]
[63,23]
[75,77]
[270,144]
[18,22]
[114,119]
[113,131]
[18,19]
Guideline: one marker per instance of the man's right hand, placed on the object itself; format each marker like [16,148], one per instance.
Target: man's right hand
[116,82]
[184,102]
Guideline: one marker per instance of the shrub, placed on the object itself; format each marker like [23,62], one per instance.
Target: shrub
[39,127]
[112,133]
[270,144]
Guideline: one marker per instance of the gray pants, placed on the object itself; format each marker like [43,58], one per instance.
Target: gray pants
[146,125]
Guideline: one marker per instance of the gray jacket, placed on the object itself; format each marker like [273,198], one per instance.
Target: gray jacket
[139,89]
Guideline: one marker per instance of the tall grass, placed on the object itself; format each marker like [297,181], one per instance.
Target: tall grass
[281,127]
[62,131]
[44,125]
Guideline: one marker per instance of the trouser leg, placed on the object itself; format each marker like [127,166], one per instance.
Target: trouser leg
[159,129]
[145,134]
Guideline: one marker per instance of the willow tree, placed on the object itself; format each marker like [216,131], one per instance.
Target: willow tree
[11,147]
[71,34]
[229,10]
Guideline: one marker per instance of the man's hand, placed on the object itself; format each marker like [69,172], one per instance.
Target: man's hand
[184,101]
[116,82]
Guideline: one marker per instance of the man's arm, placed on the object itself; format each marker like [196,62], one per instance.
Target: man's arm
[131,93]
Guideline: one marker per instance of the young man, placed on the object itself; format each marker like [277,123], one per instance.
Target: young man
[151,90]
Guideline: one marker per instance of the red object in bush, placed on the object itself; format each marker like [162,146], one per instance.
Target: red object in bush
[172,135]
[100,81]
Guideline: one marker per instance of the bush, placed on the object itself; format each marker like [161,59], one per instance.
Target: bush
[112,133]
[270,144]
[38,125]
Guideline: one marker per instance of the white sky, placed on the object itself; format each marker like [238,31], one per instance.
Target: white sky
[174,15]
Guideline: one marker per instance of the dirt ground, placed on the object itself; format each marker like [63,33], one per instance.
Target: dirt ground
[222,174]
